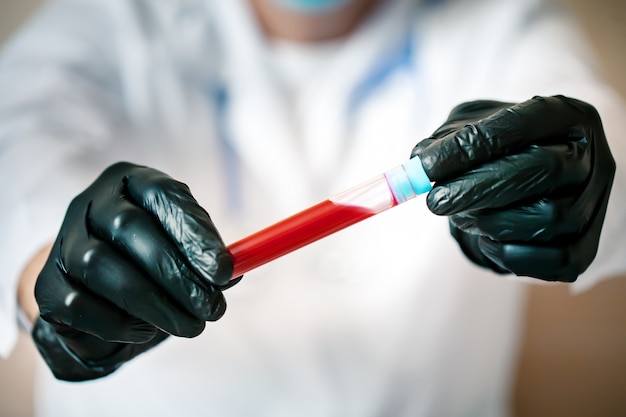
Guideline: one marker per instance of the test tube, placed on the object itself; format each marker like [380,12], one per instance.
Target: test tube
[358,203]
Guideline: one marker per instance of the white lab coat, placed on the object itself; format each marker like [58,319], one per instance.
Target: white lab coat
[387,318]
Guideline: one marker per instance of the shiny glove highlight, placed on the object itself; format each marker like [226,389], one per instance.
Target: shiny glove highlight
[525,185]
[136,260]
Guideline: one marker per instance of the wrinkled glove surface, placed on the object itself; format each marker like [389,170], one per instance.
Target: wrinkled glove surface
[136,260]
[525,185]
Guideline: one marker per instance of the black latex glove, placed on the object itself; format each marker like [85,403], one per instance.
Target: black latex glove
[525,185]
[136,259]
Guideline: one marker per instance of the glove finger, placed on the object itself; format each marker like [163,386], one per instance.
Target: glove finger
[95,354]
[64,302]
[537,171]
[103,271]
[134,233]
[556,262]
[187,224]
[542,220]
[506,131]
[75,356]
[59,357]
[469,245]
[549,263]
[231,283]
[459,116]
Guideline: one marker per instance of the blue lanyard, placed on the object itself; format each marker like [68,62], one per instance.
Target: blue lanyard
[230,160]
[402,58]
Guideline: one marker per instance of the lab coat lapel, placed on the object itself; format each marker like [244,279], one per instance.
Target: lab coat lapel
[258,115]
[325,105]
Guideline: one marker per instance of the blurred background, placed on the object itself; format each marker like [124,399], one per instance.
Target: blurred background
[557,375]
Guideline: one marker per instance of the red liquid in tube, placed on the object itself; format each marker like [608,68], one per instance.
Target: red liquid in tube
[293,233]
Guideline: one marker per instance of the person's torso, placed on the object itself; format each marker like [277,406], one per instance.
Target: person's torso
[384,318]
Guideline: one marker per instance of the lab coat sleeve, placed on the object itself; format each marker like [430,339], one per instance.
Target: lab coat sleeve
[60,109]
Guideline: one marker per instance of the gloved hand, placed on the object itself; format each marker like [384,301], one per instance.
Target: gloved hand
[136,259]
[525,185]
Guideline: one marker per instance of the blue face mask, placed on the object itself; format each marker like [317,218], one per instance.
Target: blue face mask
[311,6]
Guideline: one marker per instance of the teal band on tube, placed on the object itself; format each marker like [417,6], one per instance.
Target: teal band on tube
[399,184]
[417,176]
[407,180]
